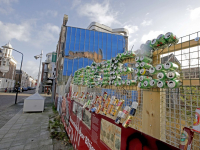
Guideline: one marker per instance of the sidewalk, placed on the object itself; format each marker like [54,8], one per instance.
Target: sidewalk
[27,131]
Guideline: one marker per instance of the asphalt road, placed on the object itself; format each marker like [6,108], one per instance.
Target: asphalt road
[8,99]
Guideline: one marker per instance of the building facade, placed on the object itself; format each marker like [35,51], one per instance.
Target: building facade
[78,48]
[48,71]
[25,80]
[7,68]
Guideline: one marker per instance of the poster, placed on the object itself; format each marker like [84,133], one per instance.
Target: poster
[110,134]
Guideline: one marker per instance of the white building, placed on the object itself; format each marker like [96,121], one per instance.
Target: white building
[7,68]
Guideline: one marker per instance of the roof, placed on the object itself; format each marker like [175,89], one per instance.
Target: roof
[8,45]
[171,58]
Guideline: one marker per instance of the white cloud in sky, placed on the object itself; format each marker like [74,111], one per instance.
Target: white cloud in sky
[5,6]
[151,35]
[99,12]
[131,28]
[194,13]
[48,33]
[146,22]
[51,13]
[147,14]
[20,32]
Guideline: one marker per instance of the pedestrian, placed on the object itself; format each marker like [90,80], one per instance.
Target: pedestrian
[6,90]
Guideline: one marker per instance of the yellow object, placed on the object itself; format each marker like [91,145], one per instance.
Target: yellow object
[127,122]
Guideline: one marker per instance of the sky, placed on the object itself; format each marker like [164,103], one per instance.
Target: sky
[34,25]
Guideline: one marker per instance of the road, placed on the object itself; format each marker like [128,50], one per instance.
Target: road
[8,99]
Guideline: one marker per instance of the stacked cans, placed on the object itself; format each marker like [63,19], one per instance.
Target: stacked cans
[143,64]
[167,75]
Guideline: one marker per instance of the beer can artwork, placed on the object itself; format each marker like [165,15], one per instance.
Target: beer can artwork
[142,78]
[93,109]
[161,39]
[137,65]
[124,82]
[145,65]
[148,53]
[145,47]
[170,38]
[128,70]
[162,75]
[105,111]
[173,75]
[152,70]
[131,82]
[153,82]
[196,123]
[137,71]
[147,84]
[174,83]
[133,108]
[136,78]
[154,43]
[160,67]
[186,139]
[125,112]
[119,104]
[127,122]
[131,54]
[141,85]
[137,59]
[162,84]
[144,72]
[170,66]
[145,59]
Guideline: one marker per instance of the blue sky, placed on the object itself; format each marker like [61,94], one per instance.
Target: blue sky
[32,26]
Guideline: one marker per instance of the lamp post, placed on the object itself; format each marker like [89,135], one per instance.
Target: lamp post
[36,57]
[7,46]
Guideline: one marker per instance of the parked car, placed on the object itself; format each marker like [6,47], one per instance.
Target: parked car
[19,89]
[29,88]
[24,89]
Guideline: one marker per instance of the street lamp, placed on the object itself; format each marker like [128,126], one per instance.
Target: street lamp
[9,47]
[36,57]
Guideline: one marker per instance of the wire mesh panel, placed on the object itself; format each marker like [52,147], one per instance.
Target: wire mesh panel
[178,105]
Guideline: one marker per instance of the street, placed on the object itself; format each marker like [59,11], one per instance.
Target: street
[8,99]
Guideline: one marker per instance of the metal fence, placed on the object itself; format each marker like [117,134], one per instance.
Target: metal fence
[177,106]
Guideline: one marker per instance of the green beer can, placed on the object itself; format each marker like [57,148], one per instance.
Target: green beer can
[162,84]
[162,76]
[136,78]
[153,82]
[154,43]
[117,83]
[142,78]
[137,59]
[106,78]
[141,85]
[128,70]
[161,39]
[160,67]
[174,84]
[170,38]
[116,77]
[144,72]
[170,66]
[137,71]
[145,47]
[137,65]
[112,65]
[147,53]
[147,84]
[108,62]
[106,74]
[145,65]
[123,82]
[131,54]
[145,59]
[173,75]
[131,82]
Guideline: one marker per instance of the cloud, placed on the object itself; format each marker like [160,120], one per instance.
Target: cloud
[151,35]
[51,13]
[147,14]
[48,33]
[5,6]
[131,28]
[99,12]
[146,22]
[194,13]
[20,32]
[131,42]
